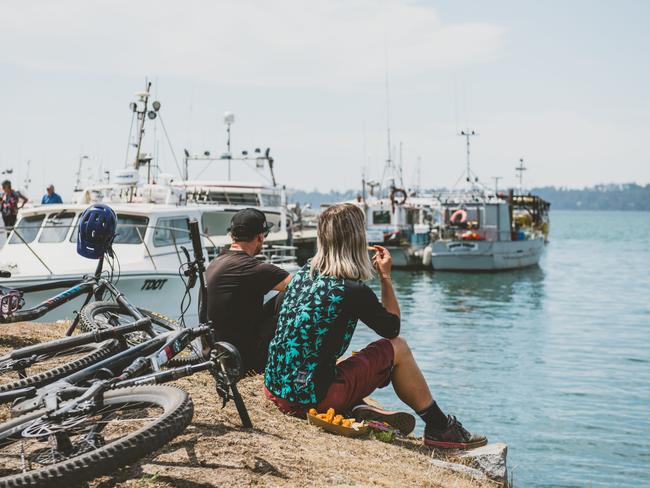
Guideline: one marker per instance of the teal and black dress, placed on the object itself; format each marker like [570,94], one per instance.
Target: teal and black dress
[317,319]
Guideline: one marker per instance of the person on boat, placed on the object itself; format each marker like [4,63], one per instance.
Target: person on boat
[51,196]
[318,317]
[12,201]
[237,283]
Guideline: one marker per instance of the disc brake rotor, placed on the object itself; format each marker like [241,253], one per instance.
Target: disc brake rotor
[45,427]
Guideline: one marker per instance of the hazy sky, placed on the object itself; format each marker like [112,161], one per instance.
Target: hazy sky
[565,84]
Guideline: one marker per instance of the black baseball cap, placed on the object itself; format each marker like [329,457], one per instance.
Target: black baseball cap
[249,222]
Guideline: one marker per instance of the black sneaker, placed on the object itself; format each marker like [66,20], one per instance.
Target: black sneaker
[455,436]
[402,421]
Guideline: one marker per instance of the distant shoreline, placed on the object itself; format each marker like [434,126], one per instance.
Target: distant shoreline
[618,197]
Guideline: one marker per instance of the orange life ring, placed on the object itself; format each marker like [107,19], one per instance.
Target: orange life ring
[458,213]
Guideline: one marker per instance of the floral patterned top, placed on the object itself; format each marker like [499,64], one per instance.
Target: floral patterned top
[317,319]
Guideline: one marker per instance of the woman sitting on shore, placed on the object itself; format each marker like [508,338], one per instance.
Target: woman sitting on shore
[322,305]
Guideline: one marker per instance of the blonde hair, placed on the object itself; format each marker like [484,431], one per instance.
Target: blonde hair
[342,248]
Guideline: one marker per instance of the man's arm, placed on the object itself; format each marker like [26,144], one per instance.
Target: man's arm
[23,198]
[283,284]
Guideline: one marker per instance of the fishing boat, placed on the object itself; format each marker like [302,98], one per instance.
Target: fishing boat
[400,224]
[480,230]
[153,209]
[477,234]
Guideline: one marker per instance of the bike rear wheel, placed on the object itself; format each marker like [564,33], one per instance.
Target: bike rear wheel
[104,315]
[49,367]
[36,450]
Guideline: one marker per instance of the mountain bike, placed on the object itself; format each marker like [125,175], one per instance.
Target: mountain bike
[115,411]
[44,363]
[109,414]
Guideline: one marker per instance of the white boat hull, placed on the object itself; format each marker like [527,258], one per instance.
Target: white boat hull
[157,291]
[451,255]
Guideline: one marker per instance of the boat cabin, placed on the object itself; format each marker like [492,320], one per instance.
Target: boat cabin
[476,221]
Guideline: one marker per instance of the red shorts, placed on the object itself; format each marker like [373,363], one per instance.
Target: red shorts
[356,378]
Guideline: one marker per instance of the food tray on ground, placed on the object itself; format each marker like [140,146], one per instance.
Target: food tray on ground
[337,429]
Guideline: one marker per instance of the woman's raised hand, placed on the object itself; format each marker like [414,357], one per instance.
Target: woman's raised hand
[382,261]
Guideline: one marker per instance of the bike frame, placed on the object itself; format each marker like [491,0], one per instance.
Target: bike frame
[91,286]
[151,354]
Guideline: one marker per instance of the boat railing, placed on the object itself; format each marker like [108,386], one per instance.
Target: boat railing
[278,254]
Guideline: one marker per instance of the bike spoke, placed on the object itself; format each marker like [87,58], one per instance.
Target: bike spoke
[45,441]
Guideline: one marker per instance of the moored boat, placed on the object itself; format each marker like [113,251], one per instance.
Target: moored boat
[153,210]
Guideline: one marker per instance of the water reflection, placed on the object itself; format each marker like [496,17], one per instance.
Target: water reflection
[466,292]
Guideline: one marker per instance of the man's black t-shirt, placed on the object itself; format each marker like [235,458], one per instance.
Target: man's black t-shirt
[237,284]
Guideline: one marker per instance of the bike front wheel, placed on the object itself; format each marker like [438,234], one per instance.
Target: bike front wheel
[37,450]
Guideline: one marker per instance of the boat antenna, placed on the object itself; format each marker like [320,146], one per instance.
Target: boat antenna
[468,134]
[27,179]
[401,165]
[389,166]
[77,186]
[496,184]
[142,113]
[144,98]
[520,174]
[229,119]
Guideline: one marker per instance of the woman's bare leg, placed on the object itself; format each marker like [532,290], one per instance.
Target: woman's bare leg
[408,380]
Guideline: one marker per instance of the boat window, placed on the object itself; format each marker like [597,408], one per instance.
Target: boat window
[216,223]
[271,200]
[224,197]
[27,228]
[412,216]
[381,217]
[170,231]
[130,229]
[273,218]
[56,227]
[471,221]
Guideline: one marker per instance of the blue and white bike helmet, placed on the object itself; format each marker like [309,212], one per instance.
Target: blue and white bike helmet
[96,231]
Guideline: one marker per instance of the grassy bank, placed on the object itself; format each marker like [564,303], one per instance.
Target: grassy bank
[279,451]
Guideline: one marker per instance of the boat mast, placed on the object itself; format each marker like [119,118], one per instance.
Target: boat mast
[142,116]
[520,174]
[144,97]
[229,119]
[467,134]
[77,186]
[27,179]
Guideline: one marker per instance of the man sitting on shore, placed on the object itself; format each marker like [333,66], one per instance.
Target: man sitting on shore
[237,283]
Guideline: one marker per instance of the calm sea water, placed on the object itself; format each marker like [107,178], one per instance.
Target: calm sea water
[554,360]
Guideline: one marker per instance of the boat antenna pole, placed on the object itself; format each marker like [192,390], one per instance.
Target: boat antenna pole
[27,179]
[496,184]
[467,134]
[229,119]
[77,185]
[144,97]
[520,174]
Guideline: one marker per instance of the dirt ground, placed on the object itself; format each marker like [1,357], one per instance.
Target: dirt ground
[215,451]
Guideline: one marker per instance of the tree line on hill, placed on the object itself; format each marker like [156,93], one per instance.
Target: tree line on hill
[627,196]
